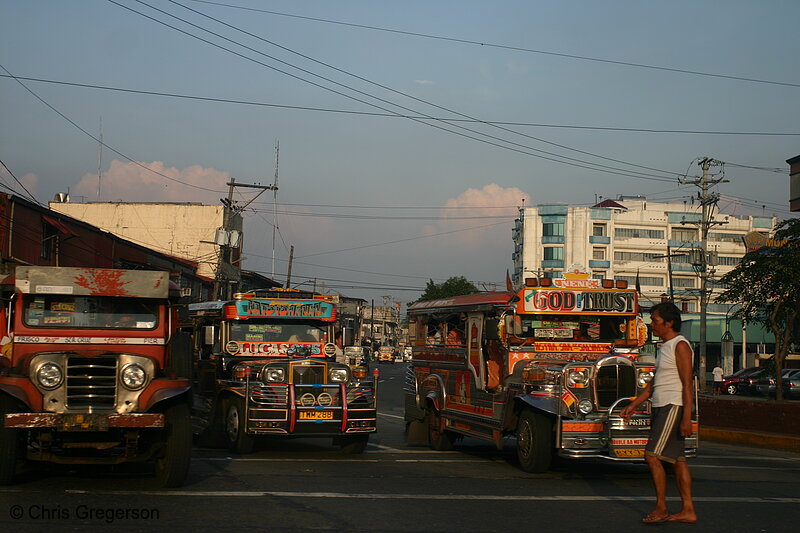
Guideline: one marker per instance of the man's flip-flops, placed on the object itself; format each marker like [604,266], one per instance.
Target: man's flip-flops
[673,518]
[653,518]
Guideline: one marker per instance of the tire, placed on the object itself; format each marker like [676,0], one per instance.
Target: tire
[173,465]
[534,442]
[354,444]
[439,439]
[12,442]
[235,427]
[731,389]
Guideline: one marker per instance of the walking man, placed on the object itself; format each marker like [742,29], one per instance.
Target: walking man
[718,374]
[672,394]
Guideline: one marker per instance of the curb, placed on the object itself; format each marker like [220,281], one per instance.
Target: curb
[752,438]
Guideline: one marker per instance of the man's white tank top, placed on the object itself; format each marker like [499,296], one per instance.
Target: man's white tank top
[667,385]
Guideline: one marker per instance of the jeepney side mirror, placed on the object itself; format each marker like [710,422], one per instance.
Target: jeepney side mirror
[513,325]
[209,335]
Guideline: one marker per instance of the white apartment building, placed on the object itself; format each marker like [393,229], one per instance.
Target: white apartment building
[631,236]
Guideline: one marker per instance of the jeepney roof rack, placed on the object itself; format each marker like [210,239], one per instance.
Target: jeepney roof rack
[280,293]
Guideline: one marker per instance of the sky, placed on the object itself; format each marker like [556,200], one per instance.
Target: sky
[410,132]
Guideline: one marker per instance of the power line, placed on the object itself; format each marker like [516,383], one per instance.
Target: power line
[514,48]
[420,117]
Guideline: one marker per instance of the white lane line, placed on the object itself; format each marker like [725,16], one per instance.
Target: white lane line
[751,457]
[445,497]
[391,416]
[349,461]
[723,467]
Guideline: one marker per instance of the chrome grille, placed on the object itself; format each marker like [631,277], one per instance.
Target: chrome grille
[270,396]
[614,382]
[91,383]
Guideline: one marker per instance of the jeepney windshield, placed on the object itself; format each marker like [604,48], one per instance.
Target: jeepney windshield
[291,331]
[591,328]
[89,312]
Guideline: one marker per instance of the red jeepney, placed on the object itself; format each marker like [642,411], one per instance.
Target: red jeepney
[552,363]
[92,371]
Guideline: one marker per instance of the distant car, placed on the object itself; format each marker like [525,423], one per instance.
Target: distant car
[742,382]
[386,354]
[791,385]
[765,386]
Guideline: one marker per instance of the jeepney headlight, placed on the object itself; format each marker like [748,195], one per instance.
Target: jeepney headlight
[645,377]
[585,407]
[338,375]
[49,376]
[273,374]
[578,377]
[133,377]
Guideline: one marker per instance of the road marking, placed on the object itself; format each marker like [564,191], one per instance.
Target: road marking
[354,460]
[445,497]
[391,416]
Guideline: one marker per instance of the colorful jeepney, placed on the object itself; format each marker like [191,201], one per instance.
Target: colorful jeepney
[552,363]
[93,371]
[266,365]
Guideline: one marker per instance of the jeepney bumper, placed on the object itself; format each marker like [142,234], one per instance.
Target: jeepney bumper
[83,422]
[611,438]
[312,410]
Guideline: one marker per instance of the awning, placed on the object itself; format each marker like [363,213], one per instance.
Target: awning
[60,226]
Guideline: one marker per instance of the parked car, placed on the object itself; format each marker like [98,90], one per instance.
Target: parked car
[742,381]
[765,386]
[791,385]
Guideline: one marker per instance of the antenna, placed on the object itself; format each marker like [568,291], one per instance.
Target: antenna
[275,205]
[100,160]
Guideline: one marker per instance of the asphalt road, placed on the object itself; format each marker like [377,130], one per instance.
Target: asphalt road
[308,485]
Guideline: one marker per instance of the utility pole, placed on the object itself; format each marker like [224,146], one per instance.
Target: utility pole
[289,273]
[228,237]
[707,202]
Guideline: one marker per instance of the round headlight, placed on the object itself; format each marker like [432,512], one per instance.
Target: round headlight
[645,377]
[272,374]
[49,376]
[576,377]
[133,377]
[338,375]
[585,407]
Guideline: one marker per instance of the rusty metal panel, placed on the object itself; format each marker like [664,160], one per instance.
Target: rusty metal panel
[83,422]
[92,281]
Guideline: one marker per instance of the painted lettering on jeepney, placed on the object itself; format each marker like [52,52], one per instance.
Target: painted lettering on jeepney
[572,347]
[278,309]
[463,386]
[275,348]
[579,301]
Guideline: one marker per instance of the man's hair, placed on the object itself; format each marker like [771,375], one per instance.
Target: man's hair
[669,312]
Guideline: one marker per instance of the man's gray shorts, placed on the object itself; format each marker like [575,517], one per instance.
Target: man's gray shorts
[665,441]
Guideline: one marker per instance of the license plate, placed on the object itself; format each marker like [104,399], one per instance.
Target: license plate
[84,422]
[629,452]
[316,415]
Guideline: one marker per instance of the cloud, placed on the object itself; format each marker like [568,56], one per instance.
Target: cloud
[31,182]
[146,182]
[488,211]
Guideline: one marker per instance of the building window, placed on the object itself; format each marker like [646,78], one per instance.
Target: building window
[598,253]
[598,274]
[728,261]
[648,281]
[684,234]
[553,229]
[638,256]
[598,230]
[683,283]
[49,237]
[638,233]
[553,252]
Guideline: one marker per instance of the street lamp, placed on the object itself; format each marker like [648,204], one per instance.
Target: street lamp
[727,344]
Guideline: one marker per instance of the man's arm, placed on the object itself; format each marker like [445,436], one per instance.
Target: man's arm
[643,396]
[683,360]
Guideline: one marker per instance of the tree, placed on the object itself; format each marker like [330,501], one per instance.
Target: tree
[454,286]
[765,283]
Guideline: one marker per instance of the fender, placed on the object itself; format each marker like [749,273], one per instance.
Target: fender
[544,404]
[23,390]
[160,390]
[432,388]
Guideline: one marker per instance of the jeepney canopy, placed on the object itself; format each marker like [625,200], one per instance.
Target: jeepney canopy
[475,302]
[78,281]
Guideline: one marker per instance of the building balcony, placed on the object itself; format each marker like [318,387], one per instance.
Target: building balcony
[599,239]
[552,263]
[675,245]
[553,239]
[596,263]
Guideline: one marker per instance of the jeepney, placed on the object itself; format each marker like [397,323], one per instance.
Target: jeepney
[265,365]
[553,364]
[93,371]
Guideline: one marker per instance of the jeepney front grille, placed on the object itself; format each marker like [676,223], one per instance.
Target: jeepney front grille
[614,382]
[91,383]
[270,396]
[308,374]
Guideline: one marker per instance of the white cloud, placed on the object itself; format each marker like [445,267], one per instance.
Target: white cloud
[136,182]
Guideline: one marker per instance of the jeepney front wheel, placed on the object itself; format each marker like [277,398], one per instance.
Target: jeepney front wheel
[236,427]
[12,442]
[438,438]
[534,438]
[173,465]
[354,443]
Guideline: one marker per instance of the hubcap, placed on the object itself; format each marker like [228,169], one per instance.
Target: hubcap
[233,423]
[524,439]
